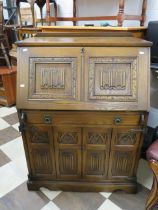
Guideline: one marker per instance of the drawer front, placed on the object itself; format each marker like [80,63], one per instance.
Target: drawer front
[85,118]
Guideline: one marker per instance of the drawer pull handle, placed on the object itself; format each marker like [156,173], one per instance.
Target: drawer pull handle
[47,119]
[143,130]
[117,120]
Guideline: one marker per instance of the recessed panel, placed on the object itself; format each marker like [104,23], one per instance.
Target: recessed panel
[52,78]
[113,79]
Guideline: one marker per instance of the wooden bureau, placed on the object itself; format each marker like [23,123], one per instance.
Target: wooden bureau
[82,105]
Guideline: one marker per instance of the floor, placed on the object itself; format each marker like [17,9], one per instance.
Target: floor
[13,176]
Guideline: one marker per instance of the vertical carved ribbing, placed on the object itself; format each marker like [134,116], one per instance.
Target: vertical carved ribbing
[95,163]
[122,163]
[113,80]
[67,161]
[52,78]
[41,161]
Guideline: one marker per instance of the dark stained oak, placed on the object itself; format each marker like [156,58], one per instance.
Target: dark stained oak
[82,110]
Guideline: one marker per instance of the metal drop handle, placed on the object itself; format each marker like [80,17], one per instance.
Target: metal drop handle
[117,120]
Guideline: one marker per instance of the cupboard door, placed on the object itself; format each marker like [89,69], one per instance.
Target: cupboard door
[41,150]
[68,152]
[95,152]
[124,154]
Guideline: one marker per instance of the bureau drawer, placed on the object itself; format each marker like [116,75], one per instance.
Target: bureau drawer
[84,118]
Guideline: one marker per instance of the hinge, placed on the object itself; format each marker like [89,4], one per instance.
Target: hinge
[142,130]
[22,125]
[142,119]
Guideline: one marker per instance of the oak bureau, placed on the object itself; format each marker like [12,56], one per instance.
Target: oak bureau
[82,103]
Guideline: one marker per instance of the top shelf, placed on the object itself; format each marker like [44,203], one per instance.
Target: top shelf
[120,17]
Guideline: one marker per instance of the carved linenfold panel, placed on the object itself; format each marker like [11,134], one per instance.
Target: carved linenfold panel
[96,138]
[52,78]
[126,139]
[122,162]
[38,136]
[68,138]
[110,79]
[68,162]
[113,79]
[42,161]
[95,162]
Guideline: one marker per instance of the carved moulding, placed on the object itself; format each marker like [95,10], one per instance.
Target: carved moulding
[113,79]
[68,138]
[126,139]
[96,138]
[52,78]
[38,136]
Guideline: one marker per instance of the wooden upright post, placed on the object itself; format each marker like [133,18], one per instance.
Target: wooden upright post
[120,16]
[48,11]
[74,11]
[56,11]
[143,15]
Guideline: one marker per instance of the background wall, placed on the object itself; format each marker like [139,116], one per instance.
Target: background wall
[101,7]
[106,7]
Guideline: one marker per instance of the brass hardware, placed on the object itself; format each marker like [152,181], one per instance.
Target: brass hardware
[82,50]
[22,125]
[117,120]
[142,119]
[142,130]
[23,116]
[47,119]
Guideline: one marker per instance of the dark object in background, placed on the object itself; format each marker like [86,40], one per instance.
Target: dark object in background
[150,137]
[152,157]
[4,45]
[152,35]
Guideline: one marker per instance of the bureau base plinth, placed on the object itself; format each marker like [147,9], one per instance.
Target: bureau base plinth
[130,187]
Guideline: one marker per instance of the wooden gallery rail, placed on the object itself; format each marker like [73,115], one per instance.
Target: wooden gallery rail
[120,17]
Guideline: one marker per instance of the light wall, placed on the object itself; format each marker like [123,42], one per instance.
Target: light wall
[102,7]
[106,7]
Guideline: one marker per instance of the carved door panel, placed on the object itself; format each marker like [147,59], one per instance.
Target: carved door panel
[125,150]
[41,150]
[113,78]
[53,76]
[68,152]
[96,143]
